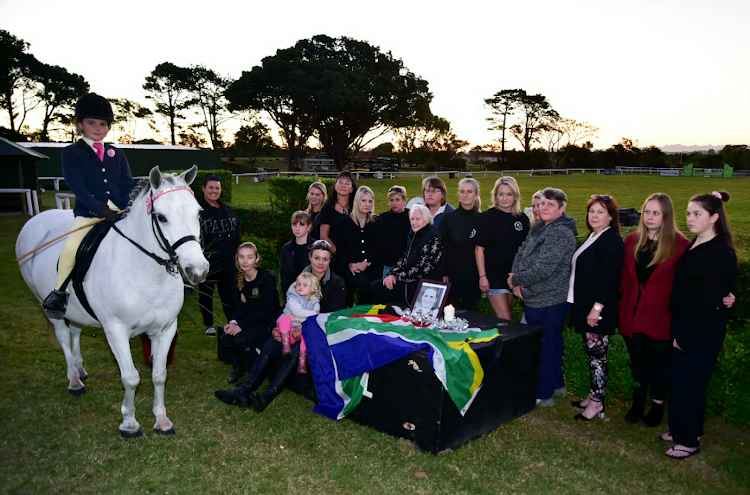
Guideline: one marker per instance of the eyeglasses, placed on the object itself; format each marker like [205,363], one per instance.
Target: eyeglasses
[396,189]
[433,191]
[603,197]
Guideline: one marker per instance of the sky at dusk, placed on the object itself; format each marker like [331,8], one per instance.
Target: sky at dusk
[661,72]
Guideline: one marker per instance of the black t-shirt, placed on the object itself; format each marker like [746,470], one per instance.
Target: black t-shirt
[642,270]
[396,230]
[329,216]
[500,234]
[458,228]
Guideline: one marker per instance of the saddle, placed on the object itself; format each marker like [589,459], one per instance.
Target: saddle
[84,257]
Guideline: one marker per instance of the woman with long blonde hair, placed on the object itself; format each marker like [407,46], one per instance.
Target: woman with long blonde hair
[360,244]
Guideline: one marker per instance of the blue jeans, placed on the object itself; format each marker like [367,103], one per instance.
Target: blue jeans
[551,320]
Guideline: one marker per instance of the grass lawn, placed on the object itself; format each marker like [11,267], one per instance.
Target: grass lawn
[51,442]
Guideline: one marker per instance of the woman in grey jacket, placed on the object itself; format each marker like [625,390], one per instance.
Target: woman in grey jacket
[540,276]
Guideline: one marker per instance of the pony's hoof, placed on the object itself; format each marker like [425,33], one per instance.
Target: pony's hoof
[83,378]
[131,434]
[78,392]
[162,432]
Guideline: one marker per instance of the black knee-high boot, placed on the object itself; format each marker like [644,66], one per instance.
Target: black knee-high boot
[639,406]
[287,370]
[654,416]
[241,395]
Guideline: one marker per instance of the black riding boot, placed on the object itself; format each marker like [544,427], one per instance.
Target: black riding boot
[240,396]
[286,373]
[56,303]
[639,405]
[654,416]
[242,362]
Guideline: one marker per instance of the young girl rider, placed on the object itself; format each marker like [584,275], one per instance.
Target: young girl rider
[302,301]
[99,176]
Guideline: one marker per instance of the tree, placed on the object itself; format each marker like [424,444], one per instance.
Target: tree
[207,89]
[558,133]
[503,103]
[534,108]
[12,73]
[127,115]
[253,140]
[345,91]
[168,87]
[361,93]
[56,90]
[276,87]
[190,138]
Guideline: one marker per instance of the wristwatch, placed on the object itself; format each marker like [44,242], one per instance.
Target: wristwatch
[598,307]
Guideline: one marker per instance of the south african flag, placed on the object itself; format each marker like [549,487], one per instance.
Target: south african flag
[345,345]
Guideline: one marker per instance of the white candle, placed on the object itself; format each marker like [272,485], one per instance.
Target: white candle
[449,313]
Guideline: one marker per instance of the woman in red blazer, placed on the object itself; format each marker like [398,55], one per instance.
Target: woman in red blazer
[647,274]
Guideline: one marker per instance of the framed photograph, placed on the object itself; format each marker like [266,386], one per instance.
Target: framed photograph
[430,297]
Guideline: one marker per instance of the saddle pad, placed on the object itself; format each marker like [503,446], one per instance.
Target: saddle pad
[84,257]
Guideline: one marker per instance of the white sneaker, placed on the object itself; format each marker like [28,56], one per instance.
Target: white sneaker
[211,332]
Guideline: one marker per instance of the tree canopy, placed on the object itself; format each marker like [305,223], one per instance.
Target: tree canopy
[168,87]
[344,91]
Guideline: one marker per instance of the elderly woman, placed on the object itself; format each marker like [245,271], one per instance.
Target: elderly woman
[458,231]
[317,195]
[500,232]
[334,297]
[360,242]
[705,273]
[594,291]
[435,194]
[421,260]
[540,276]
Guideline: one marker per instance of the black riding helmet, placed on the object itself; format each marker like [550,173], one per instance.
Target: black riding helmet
[93,106]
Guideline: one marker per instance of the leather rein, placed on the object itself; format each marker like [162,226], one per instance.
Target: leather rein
[172,264]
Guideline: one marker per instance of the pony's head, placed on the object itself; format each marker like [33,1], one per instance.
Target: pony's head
[175,220]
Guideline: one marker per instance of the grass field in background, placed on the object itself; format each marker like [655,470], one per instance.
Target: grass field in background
[51,442]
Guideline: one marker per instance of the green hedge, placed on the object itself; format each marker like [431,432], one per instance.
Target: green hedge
[289,193]
[227,181]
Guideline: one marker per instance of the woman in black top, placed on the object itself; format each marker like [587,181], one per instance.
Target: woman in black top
[396,222]
[360,242]
[220,237]
[335,212]
[458,231]
[705,272]
[256,307]
[500,232]
[594,291]
[317,195]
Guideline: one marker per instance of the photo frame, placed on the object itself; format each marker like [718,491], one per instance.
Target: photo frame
[431,293]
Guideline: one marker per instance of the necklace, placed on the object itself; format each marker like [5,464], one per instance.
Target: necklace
[343,207]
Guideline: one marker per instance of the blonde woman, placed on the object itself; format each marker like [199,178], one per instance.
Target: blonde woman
[500,232]
[458,231]
[317,195]
[360,244]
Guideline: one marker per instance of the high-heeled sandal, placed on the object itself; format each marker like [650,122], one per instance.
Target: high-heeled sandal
[601,414]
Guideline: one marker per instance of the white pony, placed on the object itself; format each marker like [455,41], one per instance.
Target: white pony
[133,285]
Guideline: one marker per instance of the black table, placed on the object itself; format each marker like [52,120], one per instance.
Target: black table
[409,401]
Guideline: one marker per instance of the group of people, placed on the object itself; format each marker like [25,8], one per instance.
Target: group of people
[668,296]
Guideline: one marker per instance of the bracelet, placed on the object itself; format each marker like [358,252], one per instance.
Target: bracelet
[482,275]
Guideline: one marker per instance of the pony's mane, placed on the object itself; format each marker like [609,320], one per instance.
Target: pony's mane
[142,187]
